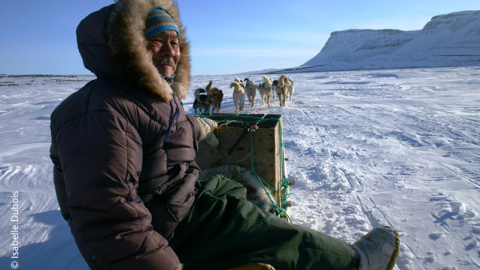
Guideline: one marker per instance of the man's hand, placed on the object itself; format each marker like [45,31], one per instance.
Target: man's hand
[206,131]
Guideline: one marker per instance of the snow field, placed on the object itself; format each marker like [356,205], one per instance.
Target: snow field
[367,148]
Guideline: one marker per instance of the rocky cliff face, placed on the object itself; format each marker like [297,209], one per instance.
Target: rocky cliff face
[447,40]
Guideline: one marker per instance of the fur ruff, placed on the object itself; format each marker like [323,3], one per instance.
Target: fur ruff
[129,52]
[255,192]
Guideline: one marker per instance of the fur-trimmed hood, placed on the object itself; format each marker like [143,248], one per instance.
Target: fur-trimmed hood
[112,44]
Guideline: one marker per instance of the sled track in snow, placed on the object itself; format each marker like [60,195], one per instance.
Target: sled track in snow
[375,216]
[310,120]
[354,182]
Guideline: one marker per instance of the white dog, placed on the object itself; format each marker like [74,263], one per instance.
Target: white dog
[281,89]
[290,87]
[265,89]
[238,96]
[251,90]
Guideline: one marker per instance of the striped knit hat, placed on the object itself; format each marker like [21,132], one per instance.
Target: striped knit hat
[159,21]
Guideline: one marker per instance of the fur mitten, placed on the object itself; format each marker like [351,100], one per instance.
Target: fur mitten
[206,131]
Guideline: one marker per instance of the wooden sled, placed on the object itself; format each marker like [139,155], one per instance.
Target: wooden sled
[253,142]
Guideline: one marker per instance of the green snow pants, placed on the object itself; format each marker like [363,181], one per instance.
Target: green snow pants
[224,230]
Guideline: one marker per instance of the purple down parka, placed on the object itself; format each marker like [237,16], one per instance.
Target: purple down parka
[122,147]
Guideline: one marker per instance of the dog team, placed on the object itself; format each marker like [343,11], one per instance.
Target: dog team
[211,98]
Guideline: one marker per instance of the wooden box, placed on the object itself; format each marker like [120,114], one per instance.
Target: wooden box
[238,143]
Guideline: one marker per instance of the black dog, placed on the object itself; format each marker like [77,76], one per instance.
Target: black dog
[201,101]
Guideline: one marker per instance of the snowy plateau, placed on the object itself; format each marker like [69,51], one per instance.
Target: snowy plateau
[384,145]
[447,40]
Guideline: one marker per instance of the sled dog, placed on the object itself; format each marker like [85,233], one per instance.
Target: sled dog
[216,98]
[281,90]
[290,88]
[201,101]
[251,91]
[238,96]
[265,89]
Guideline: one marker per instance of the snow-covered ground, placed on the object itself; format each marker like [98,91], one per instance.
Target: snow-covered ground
[398,147]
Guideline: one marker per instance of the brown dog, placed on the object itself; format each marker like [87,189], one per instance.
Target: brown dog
[216,98]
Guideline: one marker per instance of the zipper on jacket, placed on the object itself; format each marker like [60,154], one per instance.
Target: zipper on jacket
[173,116]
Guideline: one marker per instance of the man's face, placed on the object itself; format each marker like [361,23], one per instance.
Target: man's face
[165,52]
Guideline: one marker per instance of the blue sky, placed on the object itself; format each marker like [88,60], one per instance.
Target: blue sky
[227,37]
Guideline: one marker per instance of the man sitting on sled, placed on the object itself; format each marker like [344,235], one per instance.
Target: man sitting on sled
[124,171]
